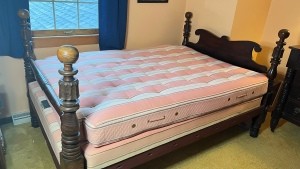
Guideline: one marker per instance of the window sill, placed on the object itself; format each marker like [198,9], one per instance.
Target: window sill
[56,41]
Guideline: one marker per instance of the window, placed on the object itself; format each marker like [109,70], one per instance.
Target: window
[63,19]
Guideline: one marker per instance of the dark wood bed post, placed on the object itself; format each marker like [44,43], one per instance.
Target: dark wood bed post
[71,156]
[187,28]
[271,74]
[28,55]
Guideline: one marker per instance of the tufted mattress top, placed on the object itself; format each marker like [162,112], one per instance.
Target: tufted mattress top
[125,93]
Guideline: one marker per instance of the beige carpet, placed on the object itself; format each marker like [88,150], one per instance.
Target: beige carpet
[231,149]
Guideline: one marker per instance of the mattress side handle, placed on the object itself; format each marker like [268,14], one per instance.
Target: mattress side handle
[156,120]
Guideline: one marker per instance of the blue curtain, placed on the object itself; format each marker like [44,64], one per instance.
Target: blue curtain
[112,24]
[11,43]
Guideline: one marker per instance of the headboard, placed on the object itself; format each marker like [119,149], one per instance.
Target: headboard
[238,53]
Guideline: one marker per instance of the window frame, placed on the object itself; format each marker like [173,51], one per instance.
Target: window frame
[56,41]
[58,37]
[55,38]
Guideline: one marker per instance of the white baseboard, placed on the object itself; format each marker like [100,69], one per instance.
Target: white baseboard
[21,118]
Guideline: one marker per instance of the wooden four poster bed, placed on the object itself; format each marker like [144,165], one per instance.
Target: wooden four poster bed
[195,92]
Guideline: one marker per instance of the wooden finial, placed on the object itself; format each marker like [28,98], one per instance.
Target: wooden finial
[283,34]
[68,90]
[67,54]
[187,28]
[188,15]
[277,53]
[23,14]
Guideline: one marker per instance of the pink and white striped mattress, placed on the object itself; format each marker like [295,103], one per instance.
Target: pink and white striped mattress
[101,157]
[124,93]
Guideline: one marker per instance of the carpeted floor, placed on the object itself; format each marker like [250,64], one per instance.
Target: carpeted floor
[231,149]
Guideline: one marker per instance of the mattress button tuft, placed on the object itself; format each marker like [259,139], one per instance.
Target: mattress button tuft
[133,126]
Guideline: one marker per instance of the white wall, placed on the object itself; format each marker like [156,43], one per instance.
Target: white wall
[12,84]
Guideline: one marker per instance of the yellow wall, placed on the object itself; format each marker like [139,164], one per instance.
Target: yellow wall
[249,21]
[282,14]
[214,15]
[250,18]
[152,24]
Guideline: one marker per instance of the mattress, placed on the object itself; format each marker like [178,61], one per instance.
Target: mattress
[100,157]
[125,93]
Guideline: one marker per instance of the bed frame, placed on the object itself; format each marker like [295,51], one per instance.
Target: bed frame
[235,52]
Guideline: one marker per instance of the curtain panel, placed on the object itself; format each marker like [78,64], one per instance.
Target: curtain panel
[11,43]
[112,24]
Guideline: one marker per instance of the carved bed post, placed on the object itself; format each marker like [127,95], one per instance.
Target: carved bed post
[271,74]
[283,96]
[187,28]
[71,156]
[28,55]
